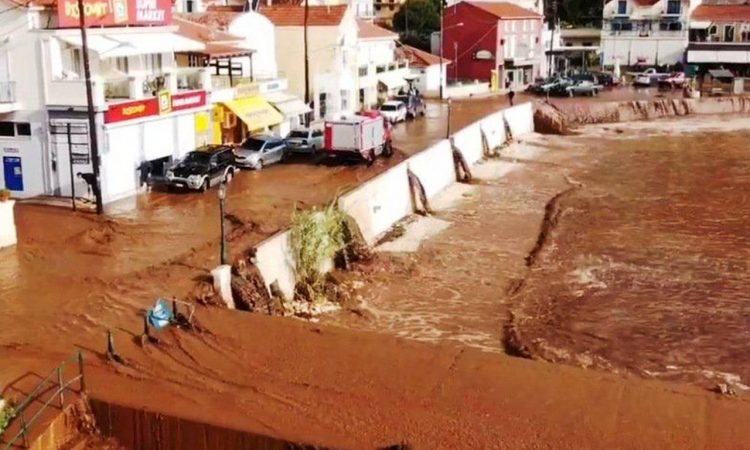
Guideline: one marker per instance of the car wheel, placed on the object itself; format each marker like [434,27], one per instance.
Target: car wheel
[205,185]
[370,158]
[570,93]
[388,149]
[229,175]
[260,165]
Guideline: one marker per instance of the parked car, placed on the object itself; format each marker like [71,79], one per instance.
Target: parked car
[394,111]
[648,77]
[202,168]
[362,137]
[583,87]
[259,151]
[674,80]
[606,79]
[586,76]
[561,86]
[415,105]
[305,140]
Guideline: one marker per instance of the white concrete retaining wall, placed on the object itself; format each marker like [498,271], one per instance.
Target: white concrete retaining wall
[493,127]
[7,224]
[275,262]
[386,199]
[379,203]
[434,168]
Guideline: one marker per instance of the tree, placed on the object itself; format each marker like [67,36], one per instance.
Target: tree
[416,20]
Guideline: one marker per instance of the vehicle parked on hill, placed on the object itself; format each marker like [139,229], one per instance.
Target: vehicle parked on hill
[259,151]
[561,86]
[583,87]
[305,140]
[394,111]
[606,79]
[203,168]
[415,105]
[648,77]
[363,137]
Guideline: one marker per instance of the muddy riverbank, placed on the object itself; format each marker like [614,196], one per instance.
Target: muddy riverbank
[623,248]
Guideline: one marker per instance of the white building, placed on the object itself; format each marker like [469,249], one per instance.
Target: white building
[426,68]
[381,72]
[645,32]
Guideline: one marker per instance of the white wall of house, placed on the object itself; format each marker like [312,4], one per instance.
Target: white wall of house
[260,36]
[428,79]
[646,42]
[21,99]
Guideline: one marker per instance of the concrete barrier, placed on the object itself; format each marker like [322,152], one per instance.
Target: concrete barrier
[493,127]
[381,202]
[275,261]
[520,118]
[469,142]
[467,89]
[7,224]
[434,167]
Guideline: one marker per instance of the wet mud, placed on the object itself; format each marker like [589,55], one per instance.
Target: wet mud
[622,249]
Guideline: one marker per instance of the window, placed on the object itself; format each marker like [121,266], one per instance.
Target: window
[13,129]
[344,100]
[622,7]
[627,26]
[23,129]
[189,6]
[121,64]
[673,6]
[323,104]
[7,129]
[317,133]
[728,33]
[152,63]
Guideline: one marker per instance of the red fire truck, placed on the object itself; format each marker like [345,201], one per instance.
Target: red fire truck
[363,136]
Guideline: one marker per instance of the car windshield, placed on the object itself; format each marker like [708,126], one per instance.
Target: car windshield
[253,144]
[197,158]
[298,134]
[389,108]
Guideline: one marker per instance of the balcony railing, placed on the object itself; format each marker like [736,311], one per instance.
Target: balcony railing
[7,91]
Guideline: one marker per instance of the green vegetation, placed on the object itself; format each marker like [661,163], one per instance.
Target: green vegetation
[7,413]
[416,20]
[316,237]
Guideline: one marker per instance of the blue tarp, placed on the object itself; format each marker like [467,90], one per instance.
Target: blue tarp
[160,315]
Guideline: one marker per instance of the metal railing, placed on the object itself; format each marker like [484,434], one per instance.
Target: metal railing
[7,91]
[56,378]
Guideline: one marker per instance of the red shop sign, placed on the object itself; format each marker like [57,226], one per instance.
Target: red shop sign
[115,13]
[132,110]
[188,100]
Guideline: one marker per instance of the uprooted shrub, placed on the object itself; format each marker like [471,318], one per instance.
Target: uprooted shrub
[320,238]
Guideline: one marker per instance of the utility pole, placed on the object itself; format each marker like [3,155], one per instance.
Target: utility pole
[442,67]
[90,110]
[552,38]
[406,13]
[307,56]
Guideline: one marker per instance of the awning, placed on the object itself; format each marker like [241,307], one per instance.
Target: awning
[255,112]
[392,80]
[720,73]
[114,45]
[700,24]
[289,105]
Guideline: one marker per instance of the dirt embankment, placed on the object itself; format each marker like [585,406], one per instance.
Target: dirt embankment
[551,119]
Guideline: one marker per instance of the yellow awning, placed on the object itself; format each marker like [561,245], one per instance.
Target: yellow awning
[255,112]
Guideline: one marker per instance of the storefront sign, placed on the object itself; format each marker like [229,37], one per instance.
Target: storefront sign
[164,103]
[11,150]
[246,90]
[115,13]
[132,110]
[188,100]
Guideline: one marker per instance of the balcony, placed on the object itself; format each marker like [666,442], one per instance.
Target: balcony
[8,101]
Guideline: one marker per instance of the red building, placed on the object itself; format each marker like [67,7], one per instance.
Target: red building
[480,37]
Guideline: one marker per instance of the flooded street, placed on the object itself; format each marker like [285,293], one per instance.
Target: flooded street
[624,248]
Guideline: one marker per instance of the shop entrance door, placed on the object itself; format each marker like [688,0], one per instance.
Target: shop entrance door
[69,145]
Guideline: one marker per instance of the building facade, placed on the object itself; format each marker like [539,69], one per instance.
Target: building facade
[381,70]
[486,38]
[720,37]
[428,70]
[644,32]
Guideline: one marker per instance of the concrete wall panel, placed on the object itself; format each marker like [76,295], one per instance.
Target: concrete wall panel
[276,262]
[494,129]
[469,142]
[434,168]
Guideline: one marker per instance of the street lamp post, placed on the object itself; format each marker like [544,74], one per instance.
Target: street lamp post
[222,198]
[448,128]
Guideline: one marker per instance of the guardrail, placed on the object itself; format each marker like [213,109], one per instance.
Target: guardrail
[55,378]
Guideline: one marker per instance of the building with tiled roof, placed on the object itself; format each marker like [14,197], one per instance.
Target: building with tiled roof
[491,41]
[294,16]
[426,69]
[720,37]
[645,32]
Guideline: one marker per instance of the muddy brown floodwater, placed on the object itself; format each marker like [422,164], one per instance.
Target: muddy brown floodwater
[624,248]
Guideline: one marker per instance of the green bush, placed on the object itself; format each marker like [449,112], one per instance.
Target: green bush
[316,237]
[7,413]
